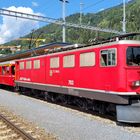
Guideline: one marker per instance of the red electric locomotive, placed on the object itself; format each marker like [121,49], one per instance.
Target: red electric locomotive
[103,76]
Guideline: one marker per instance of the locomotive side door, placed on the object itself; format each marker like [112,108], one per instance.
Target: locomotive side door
[53,74]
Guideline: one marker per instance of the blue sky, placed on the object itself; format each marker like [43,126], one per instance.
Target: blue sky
[52,8]
[48,8]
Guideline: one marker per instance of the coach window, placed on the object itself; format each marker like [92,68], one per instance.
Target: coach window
[21,65]
[13,70]
[108,57]
[28,65]
[3,70]
[87,59]
[69,61]
[36,64]
[54,62]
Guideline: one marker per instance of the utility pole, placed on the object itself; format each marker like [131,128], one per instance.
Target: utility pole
[124,18]
[81,12]
[64,19]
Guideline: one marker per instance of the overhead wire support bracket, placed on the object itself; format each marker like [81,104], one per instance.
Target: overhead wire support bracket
[55,21]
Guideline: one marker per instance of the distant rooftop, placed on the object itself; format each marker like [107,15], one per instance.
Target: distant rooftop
[34,51]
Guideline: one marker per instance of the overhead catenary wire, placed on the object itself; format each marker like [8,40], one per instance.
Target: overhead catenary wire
[55,21]
[91,5]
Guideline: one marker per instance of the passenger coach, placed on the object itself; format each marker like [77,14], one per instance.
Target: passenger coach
[7,73]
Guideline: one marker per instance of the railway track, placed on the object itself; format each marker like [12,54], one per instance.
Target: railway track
[14,127]
[10,129]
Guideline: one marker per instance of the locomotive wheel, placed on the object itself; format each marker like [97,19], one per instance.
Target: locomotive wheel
[63,99]
[21,90]
[51,97]
[81,103]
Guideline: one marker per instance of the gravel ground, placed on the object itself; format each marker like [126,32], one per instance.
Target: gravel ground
[65,123]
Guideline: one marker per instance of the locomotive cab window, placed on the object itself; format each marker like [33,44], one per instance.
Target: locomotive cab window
[108,57]
[133,56]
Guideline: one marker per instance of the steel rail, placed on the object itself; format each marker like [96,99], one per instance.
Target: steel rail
[22,133]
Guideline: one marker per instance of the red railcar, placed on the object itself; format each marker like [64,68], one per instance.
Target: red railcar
[7,73]
[108,72]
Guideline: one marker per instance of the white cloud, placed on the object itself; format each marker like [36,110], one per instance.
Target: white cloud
[101,9]
[12,28]
[35,4]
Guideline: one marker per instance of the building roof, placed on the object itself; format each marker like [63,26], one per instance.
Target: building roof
[33,52]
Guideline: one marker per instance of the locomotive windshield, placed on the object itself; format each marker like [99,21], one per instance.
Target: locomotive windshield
[133,56]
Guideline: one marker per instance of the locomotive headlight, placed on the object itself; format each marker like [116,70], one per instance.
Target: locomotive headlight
[136,83]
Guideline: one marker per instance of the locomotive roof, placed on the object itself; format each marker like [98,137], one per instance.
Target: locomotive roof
[84,47]
[72,48]
[121,39]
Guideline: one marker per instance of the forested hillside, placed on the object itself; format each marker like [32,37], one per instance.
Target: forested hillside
[110,18]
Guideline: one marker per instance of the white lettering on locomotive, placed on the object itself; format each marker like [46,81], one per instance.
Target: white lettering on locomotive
[25,79]
[71,82]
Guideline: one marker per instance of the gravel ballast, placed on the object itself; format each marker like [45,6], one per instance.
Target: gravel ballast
[64,123]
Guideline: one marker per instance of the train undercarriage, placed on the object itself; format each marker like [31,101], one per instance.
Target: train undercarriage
[83,104]
[128,113]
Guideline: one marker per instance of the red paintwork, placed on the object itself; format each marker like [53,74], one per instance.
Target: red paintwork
[6,77]
[114,78]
